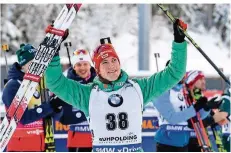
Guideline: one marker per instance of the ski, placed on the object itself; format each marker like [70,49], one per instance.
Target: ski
[22,89]
[44,55]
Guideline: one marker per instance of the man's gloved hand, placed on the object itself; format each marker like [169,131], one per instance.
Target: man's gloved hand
[214,103]
[56,104]
[64,37]
[178,34]
[201,103]
[66,34]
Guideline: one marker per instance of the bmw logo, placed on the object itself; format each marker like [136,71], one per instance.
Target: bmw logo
[180,97]
[115,100]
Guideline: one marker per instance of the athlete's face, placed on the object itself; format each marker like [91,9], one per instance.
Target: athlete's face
[25,67]
[109,68]
[82,69]
[200,84]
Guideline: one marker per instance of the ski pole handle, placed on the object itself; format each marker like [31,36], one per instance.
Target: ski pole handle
[5,48]
[195,44]
[102,40]
[157,55]
[66,44]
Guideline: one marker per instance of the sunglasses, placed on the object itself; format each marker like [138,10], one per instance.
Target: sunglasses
[78,52]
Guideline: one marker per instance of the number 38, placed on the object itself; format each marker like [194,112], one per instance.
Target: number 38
[121,121]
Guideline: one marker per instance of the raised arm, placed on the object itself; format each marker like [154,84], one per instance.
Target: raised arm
[160,82]
[66,89]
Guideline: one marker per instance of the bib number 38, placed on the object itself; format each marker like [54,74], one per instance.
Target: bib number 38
[120,121]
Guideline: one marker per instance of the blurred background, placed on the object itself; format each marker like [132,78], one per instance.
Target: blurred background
[141,34]
[137,32]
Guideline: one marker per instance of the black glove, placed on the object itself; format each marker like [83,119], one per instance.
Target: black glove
[56,104]
[214,103]
[66,34]
[64,37]
[201,103]
[178,34]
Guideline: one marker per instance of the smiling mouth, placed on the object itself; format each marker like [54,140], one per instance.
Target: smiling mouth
[112,71]
[83,72]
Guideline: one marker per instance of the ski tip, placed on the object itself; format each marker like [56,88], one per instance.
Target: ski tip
[77,7]
[69,6]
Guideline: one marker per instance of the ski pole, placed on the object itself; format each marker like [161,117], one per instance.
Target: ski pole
[157,55]
[66,44]
[48,121]
[196,129]
[5,48]
[199,128]
[195,44]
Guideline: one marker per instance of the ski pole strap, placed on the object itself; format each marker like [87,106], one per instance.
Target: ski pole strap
[52,30]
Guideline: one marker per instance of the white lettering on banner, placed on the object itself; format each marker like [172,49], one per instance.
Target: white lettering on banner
[126,149]
[105,150]
[175,128]
[34,124]
[114,149]
[36,132]
[82,128]
[193,134]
